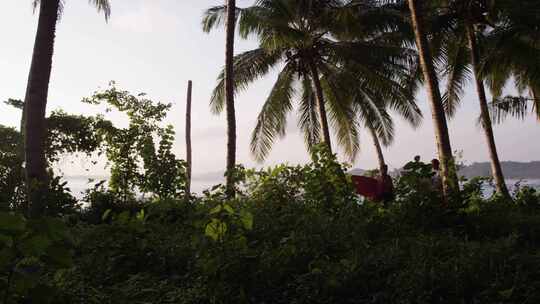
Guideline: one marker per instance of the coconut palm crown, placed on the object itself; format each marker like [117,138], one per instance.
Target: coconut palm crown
[333,79]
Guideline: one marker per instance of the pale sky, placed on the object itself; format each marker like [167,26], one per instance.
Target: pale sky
[156,46]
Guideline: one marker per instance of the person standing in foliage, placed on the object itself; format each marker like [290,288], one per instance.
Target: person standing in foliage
[386,186]
[436,180]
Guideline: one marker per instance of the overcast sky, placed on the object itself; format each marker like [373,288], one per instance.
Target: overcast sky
[156,46]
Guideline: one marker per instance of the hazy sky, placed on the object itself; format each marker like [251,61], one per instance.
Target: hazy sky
[156,46]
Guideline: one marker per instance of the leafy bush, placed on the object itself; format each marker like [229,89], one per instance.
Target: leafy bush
[298,235]
[32,252]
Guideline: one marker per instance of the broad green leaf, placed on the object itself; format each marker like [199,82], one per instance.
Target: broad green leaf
[228,208]
[216,229]
[140,215]
[106,215]
[12,223]
[247,219]
[216,209]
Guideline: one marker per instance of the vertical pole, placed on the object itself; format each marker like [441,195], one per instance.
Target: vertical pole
[188,139]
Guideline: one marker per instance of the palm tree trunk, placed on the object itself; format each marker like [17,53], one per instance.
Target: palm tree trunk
[188,140]
[496,169]
[536,102]
[378,148]
[321,105]
[36,104]
[449,174]
[229,98]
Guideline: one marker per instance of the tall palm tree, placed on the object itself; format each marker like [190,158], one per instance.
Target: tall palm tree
[295,35]
[229,96]
[285,25]
[36,98]
[215,16]
[463,23]
[449,173]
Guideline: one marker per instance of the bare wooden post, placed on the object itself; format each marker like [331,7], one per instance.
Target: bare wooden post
[188,139]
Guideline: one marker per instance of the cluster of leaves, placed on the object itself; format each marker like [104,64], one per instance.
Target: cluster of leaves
[66,134]
[136,163]
[140,155]
[32,254]
[11,171]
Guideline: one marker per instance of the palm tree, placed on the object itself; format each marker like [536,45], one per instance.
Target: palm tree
[295,35]
[449,173]
[464,21]
[215,16]
[284,26]
[36,99]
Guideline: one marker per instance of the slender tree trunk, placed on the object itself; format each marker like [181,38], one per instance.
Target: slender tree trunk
[23,132]
[536,102]
[378,148]
[229,98]
[321,105]
[496,169]
[36,104]
[188,139]
[449,174]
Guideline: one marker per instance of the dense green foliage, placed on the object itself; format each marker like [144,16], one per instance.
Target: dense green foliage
[289,234]
[292,235]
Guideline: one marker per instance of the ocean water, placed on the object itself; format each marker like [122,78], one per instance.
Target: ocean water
[78,184]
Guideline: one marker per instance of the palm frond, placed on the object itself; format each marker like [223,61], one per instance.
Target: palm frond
[509,106]
[214,17]
[272,120]
[103,6]
[457,71]
[309,122]
[342,117]
[371,110]
[248,67]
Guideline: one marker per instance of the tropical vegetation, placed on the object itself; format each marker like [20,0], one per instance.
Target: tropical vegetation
[286,234]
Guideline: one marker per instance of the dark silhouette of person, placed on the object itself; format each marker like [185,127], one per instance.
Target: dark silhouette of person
[436,180]
[385,186]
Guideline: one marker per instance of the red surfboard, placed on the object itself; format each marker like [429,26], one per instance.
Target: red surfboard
[366,186]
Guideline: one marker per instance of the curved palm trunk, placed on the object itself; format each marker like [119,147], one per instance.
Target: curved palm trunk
[378,149]
[449,174]
[188,140]
[496,169]
[320,103]
[36,104]
[229,97]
